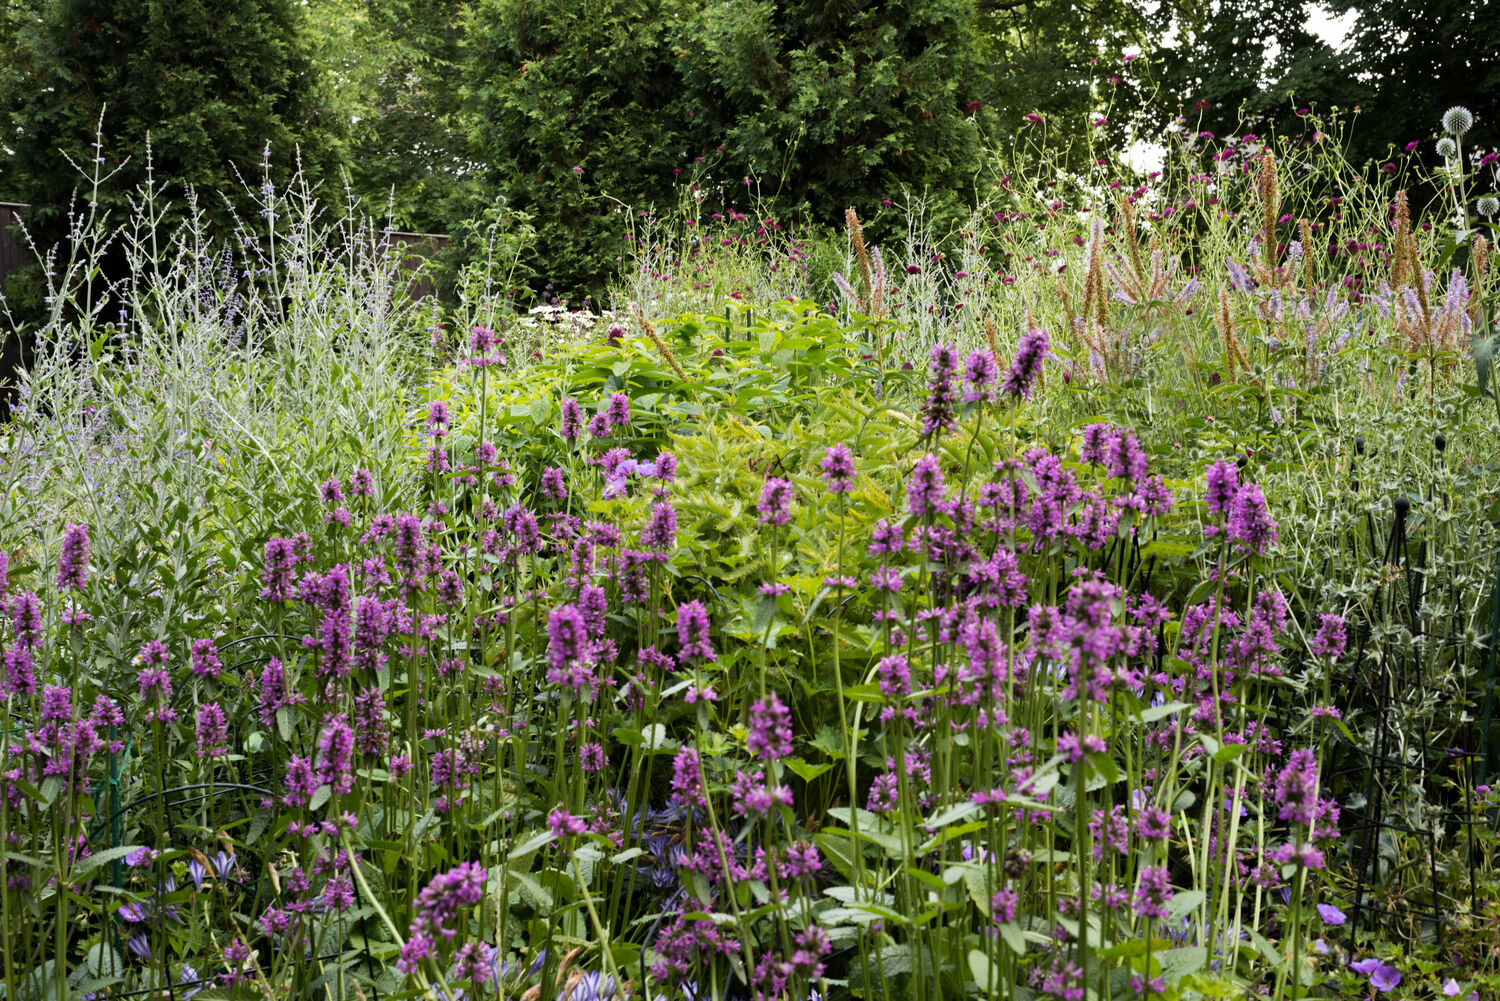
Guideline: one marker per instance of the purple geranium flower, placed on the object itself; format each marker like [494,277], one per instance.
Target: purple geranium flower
[1331,914]
[1385,978]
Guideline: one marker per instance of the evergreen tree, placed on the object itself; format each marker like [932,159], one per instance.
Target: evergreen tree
[212,83]
[580,109]
[1242,64]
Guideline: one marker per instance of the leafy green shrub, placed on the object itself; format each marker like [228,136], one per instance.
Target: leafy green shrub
[583,113]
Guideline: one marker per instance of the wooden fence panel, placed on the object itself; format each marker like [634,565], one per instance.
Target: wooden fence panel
[12,255]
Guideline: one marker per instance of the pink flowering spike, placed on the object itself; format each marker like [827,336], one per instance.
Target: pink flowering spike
[838,468]
[938,413]
[1027,364]
[775,505]
[770,736]
[563,824]
[1250,521]
[73,561]
[693,632]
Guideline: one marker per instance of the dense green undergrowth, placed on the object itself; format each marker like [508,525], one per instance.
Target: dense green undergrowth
[1097,603]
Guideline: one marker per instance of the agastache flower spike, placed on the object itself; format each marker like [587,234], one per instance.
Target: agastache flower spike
[980,374]
[572,420]
[770,734]
[925,488]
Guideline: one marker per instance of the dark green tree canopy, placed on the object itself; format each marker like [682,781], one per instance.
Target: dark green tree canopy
[213,83]
[822,104]
[1240,62]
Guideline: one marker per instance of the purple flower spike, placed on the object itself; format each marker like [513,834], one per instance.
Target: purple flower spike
[1026,365]
[572,420]
[693,632]
[1250,521]
[619,411]
[838,469]
[1331,638]
[1223,485]
[563,824]
[925,488]
[770,735]
[73,562]
[938,415]
[775,506]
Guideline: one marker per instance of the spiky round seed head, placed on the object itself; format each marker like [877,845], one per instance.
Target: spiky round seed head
[1489,206]
[1457,120]
[1447,148]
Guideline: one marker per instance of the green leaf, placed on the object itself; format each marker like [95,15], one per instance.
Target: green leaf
[94,861]
[830,741]
[1178,963]
[320,797]
[532,844]
[951,815]
[104,960]
[1155,713]
[1229,752]
[1105,766]
[979,969]
[864,693]
[1183,903]
[803,770]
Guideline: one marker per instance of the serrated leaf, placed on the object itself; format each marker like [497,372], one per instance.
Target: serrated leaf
[103,960]
[1178,963]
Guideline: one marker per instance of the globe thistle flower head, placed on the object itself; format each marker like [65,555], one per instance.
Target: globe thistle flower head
[1489,206]
[1447,148]
[1457,120]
